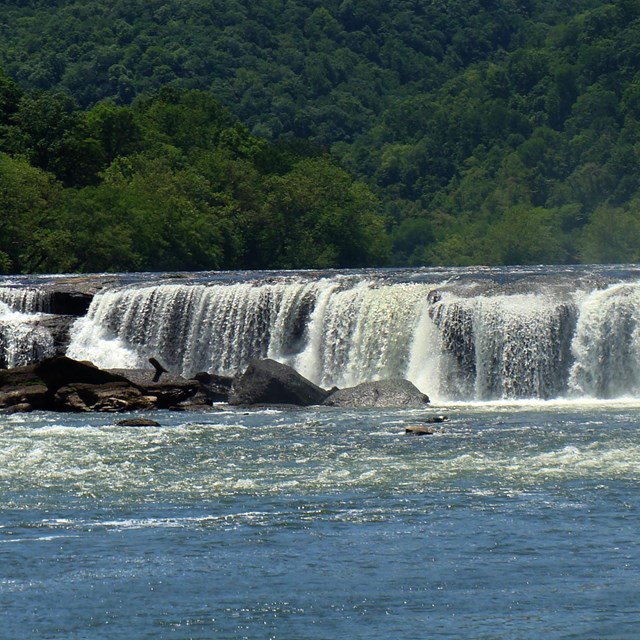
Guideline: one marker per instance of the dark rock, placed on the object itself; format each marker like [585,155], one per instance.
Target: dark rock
[72,296]
[18,377]
[60,371]
[435,419]
[137,422]
[108,397]
[64,384]
[69,303]
[59,327]
[215,387]
[270,382]
[36,396]
[170,392]
[419,430]
[382,393]
[21,386]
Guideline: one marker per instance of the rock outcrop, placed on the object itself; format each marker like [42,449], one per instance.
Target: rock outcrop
[382,393]
[64,384]
[270,382]
[216,388]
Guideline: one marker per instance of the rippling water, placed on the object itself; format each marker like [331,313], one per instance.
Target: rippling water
[514,521]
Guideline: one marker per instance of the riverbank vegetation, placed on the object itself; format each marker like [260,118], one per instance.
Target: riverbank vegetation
[192,134]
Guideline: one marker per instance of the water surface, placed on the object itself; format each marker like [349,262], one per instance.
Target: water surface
[516,521]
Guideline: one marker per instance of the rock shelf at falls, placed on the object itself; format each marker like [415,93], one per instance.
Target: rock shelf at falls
[457,334]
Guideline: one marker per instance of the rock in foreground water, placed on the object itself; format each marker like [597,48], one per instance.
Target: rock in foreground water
[382,393]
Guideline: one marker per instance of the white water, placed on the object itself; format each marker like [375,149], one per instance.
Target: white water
[21,341]
[332,332]
[544,343]
[471,337]
[24,299]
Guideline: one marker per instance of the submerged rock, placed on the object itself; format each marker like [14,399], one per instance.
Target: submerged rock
[381,393]
[419,430]
[270,382]
[137,422]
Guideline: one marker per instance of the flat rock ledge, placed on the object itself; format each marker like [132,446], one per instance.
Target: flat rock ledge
[63,384]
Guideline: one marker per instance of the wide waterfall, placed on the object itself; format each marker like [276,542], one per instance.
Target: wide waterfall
[465,334]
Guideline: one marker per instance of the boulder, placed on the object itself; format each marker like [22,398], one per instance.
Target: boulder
[215,387]
[381,393]
[61,371]
[419,430]
[270,382]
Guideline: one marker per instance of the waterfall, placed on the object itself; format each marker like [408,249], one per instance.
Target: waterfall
[332,331]
[464,335]
[501,346]
[24,299]
[606,346]
[21,340]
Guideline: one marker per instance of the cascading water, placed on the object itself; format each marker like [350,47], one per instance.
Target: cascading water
[24,299]
[332,331]
[21,340]
[458,335]
[606,346]
[504,346]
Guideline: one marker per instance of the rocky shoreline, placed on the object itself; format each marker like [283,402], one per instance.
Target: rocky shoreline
[66,385]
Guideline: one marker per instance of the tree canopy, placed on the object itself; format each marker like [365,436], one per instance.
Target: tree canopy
[483,131]
[174,182]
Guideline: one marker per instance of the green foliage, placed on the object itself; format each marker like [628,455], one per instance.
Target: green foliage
[316,216]
[173,182]
[612,235]
[434,132]
[27,198]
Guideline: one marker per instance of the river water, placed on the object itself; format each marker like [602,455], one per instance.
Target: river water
[517,520]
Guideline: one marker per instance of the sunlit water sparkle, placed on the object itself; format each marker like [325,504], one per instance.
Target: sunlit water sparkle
[516,520]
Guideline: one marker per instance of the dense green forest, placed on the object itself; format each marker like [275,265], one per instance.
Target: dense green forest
[148,134]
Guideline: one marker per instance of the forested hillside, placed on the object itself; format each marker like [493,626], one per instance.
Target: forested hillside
[173,183]
[477,131]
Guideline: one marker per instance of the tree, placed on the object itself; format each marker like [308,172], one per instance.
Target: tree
[27,199]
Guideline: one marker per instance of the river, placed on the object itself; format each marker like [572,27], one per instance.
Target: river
[518,518]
